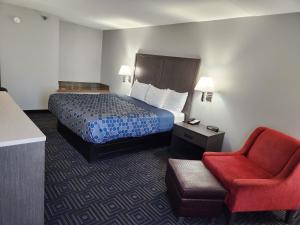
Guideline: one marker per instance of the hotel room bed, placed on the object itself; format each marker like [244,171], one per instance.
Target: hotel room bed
[101,124]
[100,118]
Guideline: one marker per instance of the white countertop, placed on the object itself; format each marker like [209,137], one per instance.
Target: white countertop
[15,126]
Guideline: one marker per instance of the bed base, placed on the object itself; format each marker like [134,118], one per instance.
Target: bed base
[91,152]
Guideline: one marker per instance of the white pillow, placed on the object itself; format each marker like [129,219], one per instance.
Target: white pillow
[175,101]
[139,90]
[155,96]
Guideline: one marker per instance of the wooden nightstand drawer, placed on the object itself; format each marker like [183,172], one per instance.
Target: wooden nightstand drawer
[190,136]
[193,140]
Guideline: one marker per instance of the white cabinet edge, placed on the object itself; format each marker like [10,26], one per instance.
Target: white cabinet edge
[15,126]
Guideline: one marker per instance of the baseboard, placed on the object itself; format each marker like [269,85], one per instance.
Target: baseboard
[37,111]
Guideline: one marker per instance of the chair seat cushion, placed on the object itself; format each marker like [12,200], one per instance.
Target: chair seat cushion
[194,181]
[231,167]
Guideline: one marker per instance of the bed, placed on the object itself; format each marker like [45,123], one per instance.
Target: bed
[101,124]
[100,118]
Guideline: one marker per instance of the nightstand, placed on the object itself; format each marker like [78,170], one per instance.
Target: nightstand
[191,141]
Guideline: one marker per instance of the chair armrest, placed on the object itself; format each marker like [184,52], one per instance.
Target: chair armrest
[294,179]
[222,153]
[256,183]
[262,195]
[291,180]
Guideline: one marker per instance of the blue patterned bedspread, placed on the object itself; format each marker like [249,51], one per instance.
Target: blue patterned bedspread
[99,118]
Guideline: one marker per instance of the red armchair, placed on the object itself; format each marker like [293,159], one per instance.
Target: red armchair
[263,176]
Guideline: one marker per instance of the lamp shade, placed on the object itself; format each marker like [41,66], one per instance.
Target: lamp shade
[125,71]
[205,84]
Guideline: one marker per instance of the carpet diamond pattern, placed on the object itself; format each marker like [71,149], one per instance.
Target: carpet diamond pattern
[126,189]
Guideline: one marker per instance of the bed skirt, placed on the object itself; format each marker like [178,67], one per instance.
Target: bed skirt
[92,152]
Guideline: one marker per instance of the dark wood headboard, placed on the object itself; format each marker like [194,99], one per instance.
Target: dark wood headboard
[176,73]
[72,86]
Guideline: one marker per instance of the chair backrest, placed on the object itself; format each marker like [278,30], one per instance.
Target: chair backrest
[272,150]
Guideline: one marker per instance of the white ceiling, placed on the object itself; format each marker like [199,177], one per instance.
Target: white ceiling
[119,14]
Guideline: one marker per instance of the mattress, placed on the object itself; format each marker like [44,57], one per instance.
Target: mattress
[100,118]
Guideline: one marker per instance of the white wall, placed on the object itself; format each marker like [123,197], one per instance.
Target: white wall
[80,53]
[29,56]
[254,62]
[35,54]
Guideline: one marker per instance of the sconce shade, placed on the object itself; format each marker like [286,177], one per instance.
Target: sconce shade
[205,84]
[125,71]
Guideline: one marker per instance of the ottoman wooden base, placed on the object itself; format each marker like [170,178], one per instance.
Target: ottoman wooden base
[193,191]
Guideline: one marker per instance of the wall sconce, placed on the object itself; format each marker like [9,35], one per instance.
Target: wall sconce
[126,72]
[207,87]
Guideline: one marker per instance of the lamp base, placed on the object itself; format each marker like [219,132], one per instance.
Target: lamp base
[209,96]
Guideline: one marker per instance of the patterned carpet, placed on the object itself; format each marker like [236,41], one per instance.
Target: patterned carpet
[126,189]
